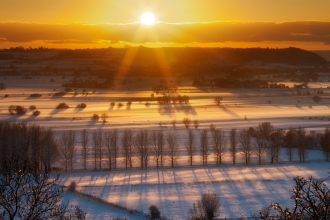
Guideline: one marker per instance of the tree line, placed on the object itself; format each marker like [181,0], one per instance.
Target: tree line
[113,149]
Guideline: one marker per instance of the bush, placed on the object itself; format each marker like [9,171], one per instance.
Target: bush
[95,117]
[112,104]
[104,117]
[82,105]
[120,104]
[154,212]
[6,96]
[32,107]
[36,113]
[59,94]
[68,89]
[206,208]
[129,103]
[52,80]
[16,110]
[186,122]
[72,186]
[35,95]
[62,105]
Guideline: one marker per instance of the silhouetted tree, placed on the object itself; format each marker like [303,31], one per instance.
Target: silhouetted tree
[311,200]
[84,147]
[190,146]
[206,208]
[127,147]
[218,142]
[204,146]
[172,148]
[233,139]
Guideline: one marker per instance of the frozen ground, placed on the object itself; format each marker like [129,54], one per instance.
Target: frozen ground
[243,190]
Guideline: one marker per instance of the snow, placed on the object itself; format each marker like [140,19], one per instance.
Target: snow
[243,189]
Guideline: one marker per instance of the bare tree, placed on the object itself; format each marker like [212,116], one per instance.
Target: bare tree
[245,140]
[127,147]
[157,143]
[172,147]
[196,123]
[107,136]
[114,146]
[302,144]
[233,136]
[39,147]
[204,146]
[217,100]
[276,142]
[173,122]
[311,200]
[190,146]
[206,208]
[104,117]
[49,149]
[218,143]
[186,122]
[260,144]
[142,147]
[84,147]
[67,144]
[290,141]
[33,196]
[97,148]
[265,128]
[325,143]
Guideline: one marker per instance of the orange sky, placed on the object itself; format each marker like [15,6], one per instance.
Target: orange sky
[104,23]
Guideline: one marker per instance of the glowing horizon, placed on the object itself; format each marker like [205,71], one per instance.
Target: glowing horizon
[110,23]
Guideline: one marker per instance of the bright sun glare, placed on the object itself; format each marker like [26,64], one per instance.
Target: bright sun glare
[147,18]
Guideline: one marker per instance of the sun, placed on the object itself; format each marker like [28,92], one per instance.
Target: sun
[147,18]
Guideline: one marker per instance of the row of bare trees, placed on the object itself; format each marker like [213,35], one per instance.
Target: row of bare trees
[25,147]
[131,149]
[142,147]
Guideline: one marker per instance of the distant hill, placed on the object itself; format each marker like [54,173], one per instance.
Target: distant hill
[323,53]
[179,56]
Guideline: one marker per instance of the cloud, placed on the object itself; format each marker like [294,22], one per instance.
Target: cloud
[299,31]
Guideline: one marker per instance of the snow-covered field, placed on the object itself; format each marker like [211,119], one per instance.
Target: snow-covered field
[243,190]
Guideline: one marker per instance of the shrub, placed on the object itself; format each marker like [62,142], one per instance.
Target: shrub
[36,113]
[173,122]
[6,96]
[62,105]
[52,80]
[68,89]
[82,105]
[206,208]
[196,123]
[72,186]
[104,117]
[317,98]
[59,94]
[35,95]
[95,117]
[186,122]
[154,212]
[112,104]
[120,104]
[217,100]
[32,107]
[147,104]
[16,110]
[129,103]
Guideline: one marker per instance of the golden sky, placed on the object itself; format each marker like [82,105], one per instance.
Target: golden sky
[208,23]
